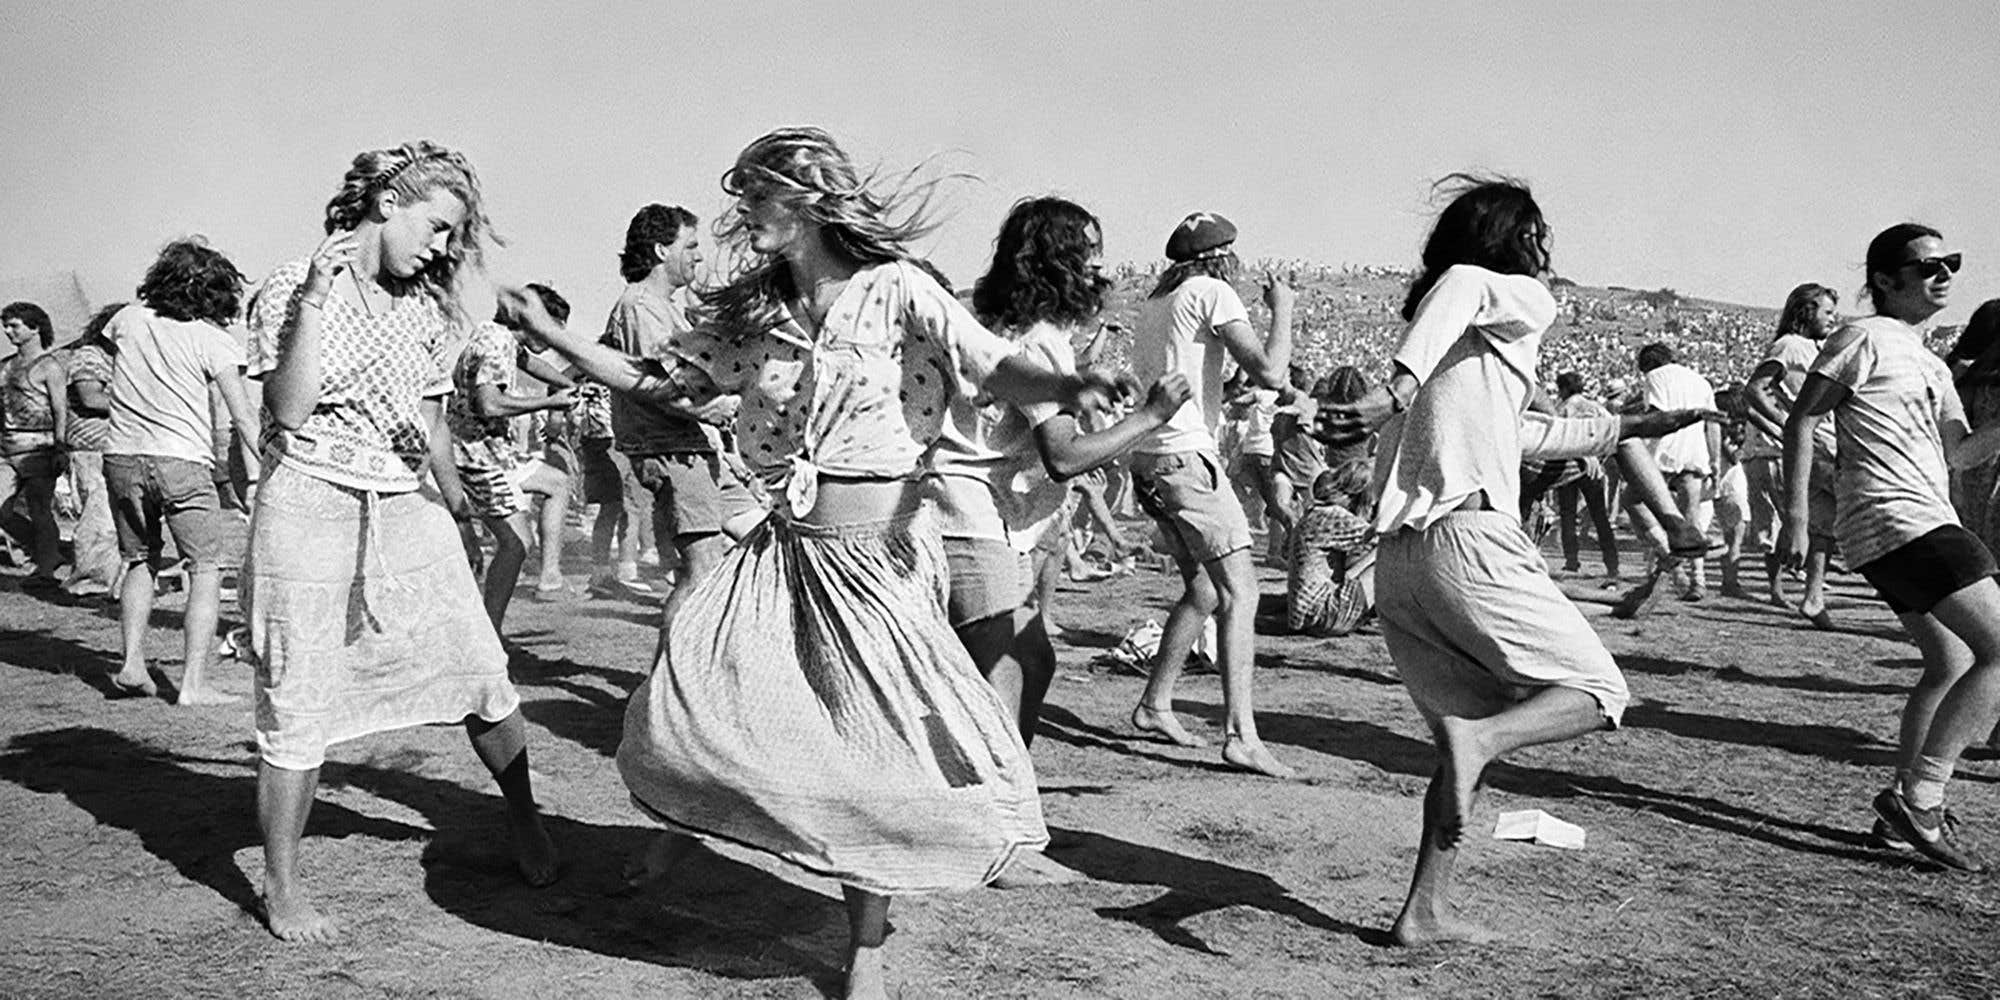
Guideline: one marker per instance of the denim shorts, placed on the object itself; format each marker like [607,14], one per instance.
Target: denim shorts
[148,489]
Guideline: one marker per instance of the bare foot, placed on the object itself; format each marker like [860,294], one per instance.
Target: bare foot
[1464,760]
[1033,868]
[534,852]
[654,862]
[1253,756]
[205,696]
[290,916]
[126,684]
[1777,600]
[1819,617]
[1411,931]
[1162,722]
[866,979]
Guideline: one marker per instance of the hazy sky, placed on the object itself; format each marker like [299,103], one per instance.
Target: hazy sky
[1728,150]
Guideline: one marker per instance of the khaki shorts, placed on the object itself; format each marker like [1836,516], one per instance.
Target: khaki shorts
[1187,495]
[1475,625]
[694,493]
[987,578]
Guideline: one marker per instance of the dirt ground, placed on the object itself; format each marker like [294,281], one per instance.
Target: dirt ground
[1727,849]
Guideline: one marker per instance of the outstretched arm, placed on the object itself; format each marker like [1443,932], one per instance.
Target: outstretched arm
[1068,452]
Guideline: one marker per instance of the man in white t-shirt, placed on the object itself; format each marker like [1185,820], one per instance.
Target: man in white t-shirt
[1190,324]
[1689,458]
[172,345]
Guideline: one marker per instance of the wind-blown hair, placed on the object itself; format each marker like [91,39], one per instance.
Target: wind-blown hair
[1792,319]
[1222,267]
[651,225]
[93,329]
[191,280]
[860,218]
[1885,253]
[1491,222]
[416,170]
[31,315]
[1979,345]
[1041,267]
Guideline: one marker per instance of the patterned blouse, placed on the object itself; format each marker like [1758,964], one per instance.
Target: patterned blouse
[88,363]
[368,430]
[866,397]
[489,358]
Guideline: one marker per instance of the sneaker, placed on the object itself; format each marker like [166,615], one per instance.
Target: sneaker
[1926,830]
[1885,836]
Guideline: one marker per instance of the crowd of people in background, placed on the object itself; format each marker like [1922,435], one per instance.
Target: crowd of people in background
[856,489]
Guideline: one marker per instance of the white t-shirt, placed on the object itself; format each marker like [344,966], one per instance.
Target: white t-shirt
[1675,386]
[1891,483]
[1473,347]
[1795,354]
[159,383]
[1263,408]
[1177,333]
[989,481]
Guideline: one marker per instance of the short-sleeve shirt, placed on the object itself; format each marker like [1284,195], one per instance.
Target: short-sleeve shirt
[1177,332]
[488,358]
[1794,355]
[87,362]
[868,395]
[1674,386]
[159,384]
[1259,410]
[646,324]
[1473,347]
[367,431]
[1891,483]
[990,481]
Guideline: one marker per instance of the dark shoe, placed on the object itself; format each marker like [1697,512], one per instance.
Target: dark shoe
[1928,830]
[1885,836]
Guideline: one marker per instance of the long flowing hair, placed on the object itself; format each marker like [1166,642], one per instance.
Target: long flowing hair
[1792,319]
[1222,267]
[1491,222]
[862,218]
[1041,267]
[415,170]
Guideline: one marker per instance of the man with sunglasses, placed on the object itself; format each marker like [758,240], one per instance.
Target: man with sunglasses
[1900,429]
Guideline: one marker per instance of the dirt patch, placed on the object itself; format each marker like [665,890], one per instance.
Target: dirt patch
[1727,851]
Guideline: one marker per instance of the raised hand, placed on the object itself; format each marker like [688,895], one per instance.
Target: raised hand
[334,255]
[1168,395]
[1278,291]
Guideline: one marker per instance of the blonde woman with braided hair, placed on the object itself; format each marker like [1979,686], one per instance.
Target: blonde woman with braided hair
[362,611]
[810,698]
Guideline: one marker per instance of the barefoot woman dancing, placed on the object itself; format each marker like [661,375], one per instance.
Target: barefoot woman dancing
[810,698]
[362,611]
[1492,653]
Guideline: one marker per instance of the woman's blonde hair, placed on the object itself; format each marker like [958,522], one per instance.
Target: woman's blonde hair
[415,171]
[861,218]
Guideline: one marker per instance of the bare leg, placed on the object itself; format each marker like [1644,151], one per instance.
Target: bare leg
[204,606]
[510,553]
[1966,712]
[1155,712]
[1646,488]
[135,612]
[699,555]
[555,508]
[1812,603]
[867,928]
[284,800]
[503,747]
[1235,579]
[1946,659]
[1467,746]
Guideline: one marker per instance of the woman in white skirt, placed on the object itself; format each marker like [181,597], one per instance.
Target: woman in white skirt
[363,614]
[810,699]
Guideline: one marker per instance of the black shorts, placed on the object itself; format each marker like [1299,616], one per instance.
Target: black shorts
[1914,577]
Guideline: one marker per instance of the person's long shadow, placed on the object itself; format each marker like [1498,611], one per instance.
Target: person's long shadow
[713,913]
[50,653]
[1396,753]
[1659,666]
[1194,886]
[719,916]
[192,820]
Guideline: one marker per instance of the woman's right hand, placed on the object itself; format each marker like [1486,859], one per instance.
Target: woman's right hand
[334,255]
[523,311]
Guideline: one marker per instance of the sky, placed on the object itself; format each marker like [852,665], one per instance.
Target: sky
[1725,150]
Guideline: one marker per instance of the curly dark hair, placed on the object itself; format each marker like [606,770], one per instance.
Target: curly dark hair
[1041,267]
[1491,222]
[653,224]
[31,315]
[192,281]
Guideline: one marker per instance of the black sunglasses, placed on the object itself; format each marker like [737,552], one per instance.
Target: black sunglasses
[1931,267]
